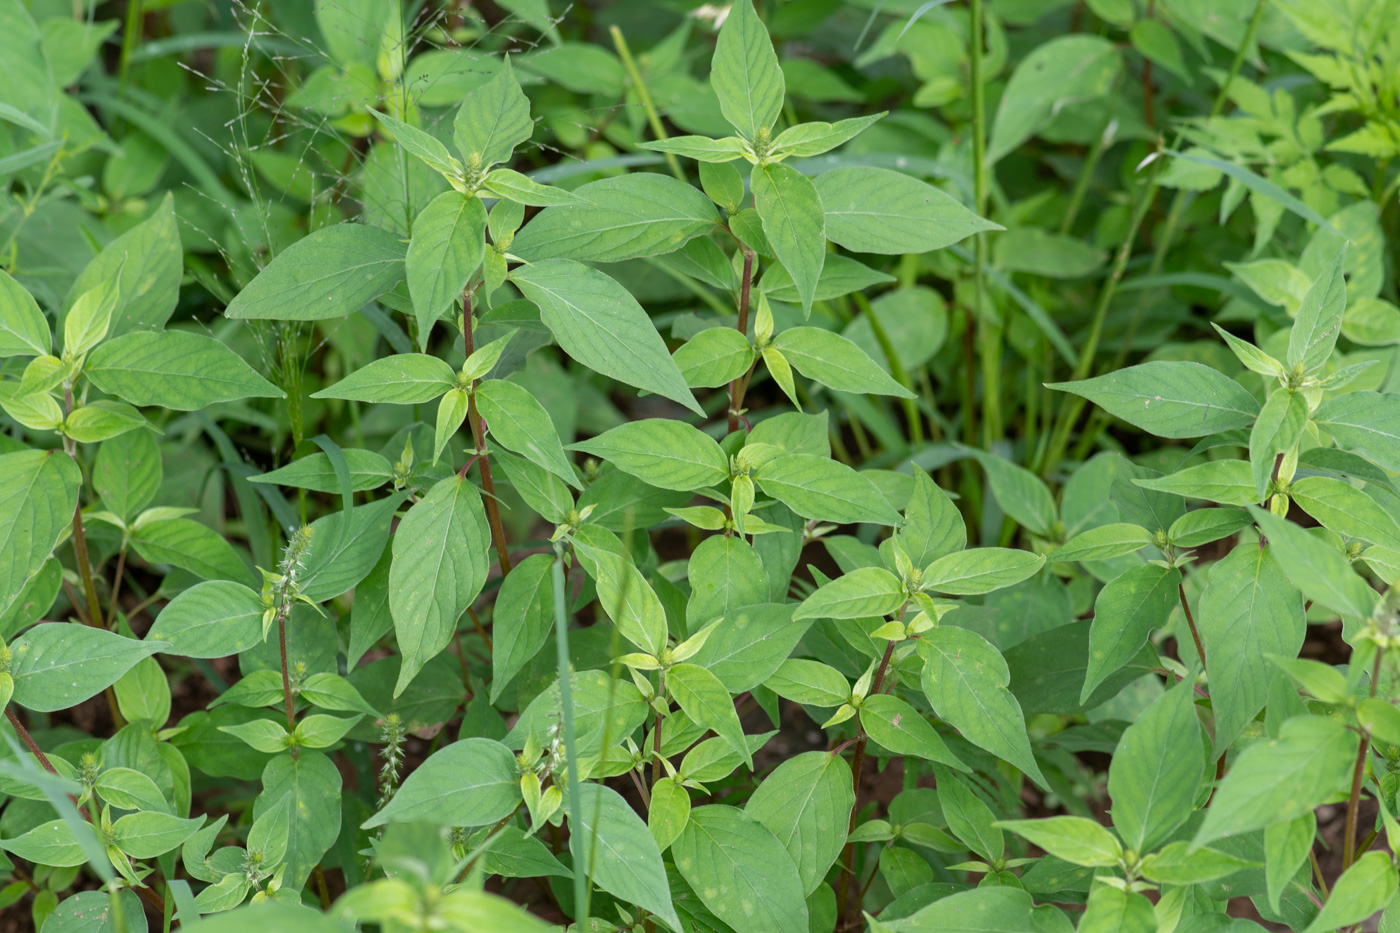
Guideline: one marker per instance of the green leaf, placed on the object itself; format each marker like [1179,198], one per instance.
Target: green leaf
[1319,320]
[745,74]
[1113,910]
[840,276]
[1040,252]
[863,593]
[89,319]
[981,570]
[262,735]
[145,265]
[150,835]
[101,420]
[52,843]
[1343,508]
[1286,847]
[806,802]
[440,563]
[989,909]
[699,148]
[1362,890]
[1277,780]
[1170,398]
[969,818]
[451,414]
[876,210]
[661,452]
[1125,613]
[725,574]
[368,470]
[468,783]
[714,357]
[741,870]
[1102,543]
[175,370]
[143,693]
[1380,719]
[24,331]
[492,121]
[57,665]
[344,549]
[1063,71]
[899,728]
[1156,770]
[633,215]
[822,489]
[197,548]
[1367,423]
[1020,493]
[522,620]
[38,498]
[619,855]
[1177,864]
[1047,670]
[705,700]
[810,683]
[1249,611]
[1227,481]
[401,379]
[423,145]
[836,362]
[626,597]
[1315,567]
[308,785]
[794,223]
[809,139]
[321,731]
[668,813]
[91,911]
[965,679]
[523,189]
[1073,838]
[1277,430]
[600,324]
[1202,526]
[333,272]
[213,619]
[449,239]
[933,526]
[751,645]
[130,790]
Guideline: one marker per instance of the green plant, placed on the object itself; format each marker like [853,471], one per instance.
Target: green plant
[856,623]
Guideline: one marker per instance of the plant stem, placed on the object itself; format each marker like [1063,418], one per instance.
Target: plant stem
[566,705]
[116,588]
[738,386]
[1191,622]
[80,554]
[653,118]
[286,680]
[656,732]
[28,740]
[1358,773]
[493,511]
[857,764]
[988,330]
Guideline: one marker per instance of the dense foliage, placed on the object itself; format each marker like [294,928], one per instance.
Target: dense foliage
[745,468]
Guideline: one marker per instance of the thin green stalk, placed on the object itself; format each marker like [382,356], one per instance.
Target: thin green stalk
[1086,174]
[131,33]
[911,408]
[1075,405]
[566,704]
[653,118]
[989,332]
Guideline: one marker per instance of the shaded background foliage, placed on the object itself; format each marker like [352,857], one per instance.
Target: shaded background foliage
[1141,196]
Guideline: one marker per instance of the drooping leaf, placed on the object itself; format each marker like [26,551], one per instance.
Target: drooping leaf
[517,420]
[175,370]
[600,324]
[333,272]
[806,802]
[618,852]
[38,496]
[836,362]
[741,870]
[1126,611]
[965,679]
[1063,71]
[467,783]
[794,223]
[1156,769]
[1170,398]
[439,566]
[876,210]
